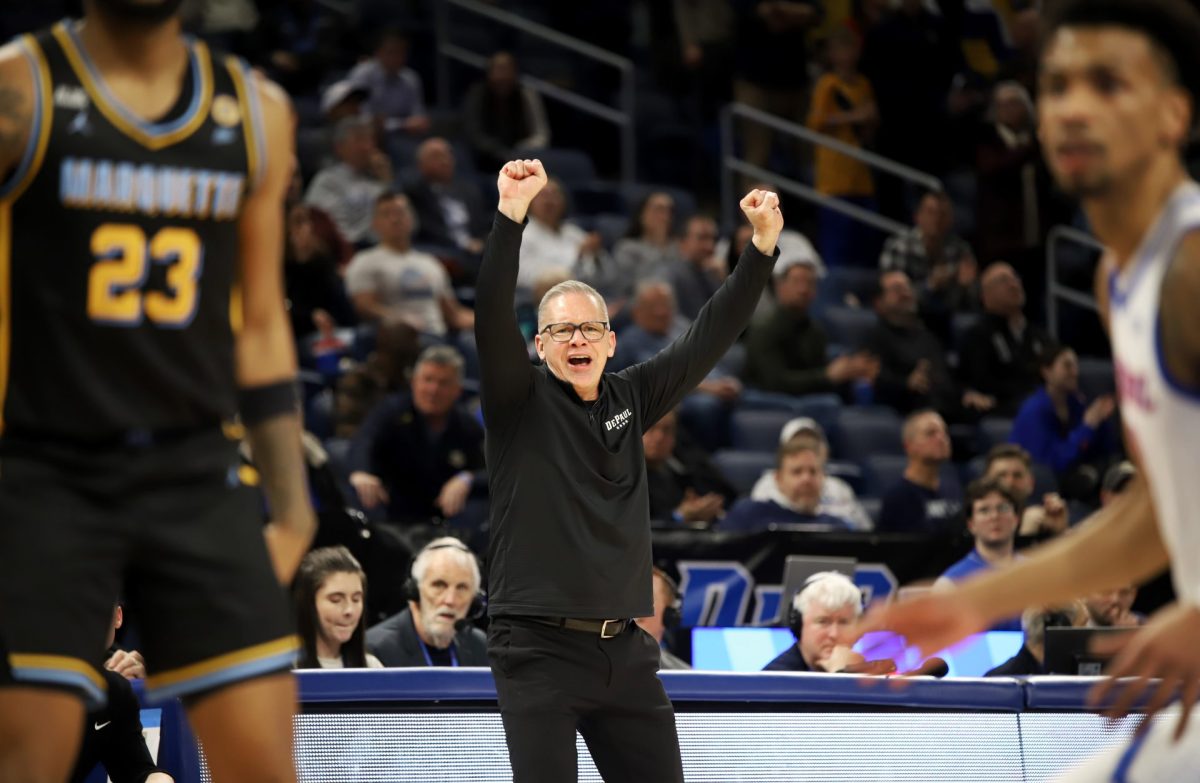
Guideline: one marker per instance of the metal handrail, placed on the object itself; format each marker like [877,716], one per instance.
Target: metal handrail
[731,163]
[621,116]
[1056,290]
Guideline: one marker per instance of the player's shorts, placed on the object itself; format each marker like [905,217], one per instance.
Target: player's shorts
[169,526]
[1154,757]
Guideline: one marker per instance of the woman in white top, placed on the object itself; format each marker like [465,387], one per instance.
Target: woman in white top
[330,592]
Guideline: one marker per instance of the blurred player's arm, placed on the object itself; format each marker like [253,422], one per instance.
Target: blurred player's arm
[266,357]
[16,107]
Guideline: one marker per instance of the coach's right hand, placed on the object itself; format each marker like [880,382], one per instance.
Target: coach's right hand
[762,210]
[518,183]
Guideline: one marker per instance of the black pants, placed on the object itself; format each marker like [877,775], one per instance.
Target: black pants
[552,681]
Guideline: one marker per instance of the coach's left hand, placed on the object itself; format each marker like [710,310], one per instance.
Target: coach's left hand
[762,210]
[1166,649]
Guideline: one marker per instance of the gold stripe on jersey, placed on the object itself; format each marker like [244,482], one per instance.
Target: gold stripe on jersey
[249,131]
[5,303]
[116,116]
[43,123]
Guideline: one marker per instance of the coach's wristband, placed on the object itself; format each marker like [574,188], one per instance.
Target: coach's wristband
[259,403]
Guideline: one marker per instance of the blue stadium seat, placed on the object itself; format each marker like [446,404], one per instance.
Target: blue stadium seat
[848,472]
[610,227]
[993,430]
[848,326]
[757,430]
[571,166]
[1096,377]
[841,281]
[339,451]
[598,198]
[743,468]
[318,414]
[862,432]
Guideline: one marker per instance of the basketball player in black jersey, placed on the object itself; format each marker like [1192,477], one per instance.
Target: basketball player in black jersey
[142,180]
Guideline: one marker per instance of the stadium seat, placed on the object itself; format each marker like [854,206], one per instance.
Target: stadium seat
[318,414]
[992,431]
[743,468]
[959,326]
[862,432]
[757,430]
[598,198]
[848,326]
[610,227]
[848,472]
[841,281]
[1096,377]
[571,166]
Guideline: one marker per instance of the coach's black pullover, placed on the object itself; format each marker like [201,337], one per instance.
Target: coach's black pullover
[570,519]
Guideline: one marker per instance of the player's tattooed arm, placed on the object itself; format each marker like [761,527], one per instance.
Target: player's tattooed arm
[1179,317]
[16,106]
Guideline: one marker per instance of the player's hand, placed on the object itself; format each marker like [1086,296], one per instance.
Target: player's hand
[1165,648]
[370,489]
[761,208]
[129,665]
[930,622]
[454,494]
[518,183]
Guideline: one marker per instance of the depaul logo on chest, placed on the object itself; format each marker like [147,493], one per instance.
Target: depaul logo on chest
[619,421]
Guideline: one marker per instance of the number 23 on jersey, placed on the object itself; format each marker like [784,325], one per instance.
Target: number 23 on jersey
[123,257]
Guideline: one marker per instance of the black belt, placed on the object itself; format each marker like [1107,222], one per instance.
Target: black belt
[606,628]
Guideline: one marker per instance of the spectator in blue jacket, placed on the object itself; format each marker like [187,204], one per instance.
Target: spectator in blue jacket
[1058,427]
[993,514]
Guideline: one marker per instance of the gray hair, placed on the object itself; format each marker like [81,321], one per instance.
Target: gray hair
[651,285]
[451,547]
[349,126]
[828,590]
[444,356]
[569,287]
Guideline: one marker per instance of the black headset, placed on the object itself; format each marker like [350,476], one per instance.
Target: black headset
[673,613]
[795,618]
[411,591]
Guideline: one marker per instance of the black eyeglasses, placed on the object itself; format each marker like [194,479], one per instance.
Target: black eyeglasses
[591,331]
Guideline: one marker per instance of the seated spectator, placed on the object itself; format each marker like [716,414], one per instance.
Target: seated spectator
[695,273]
[645,248]
[837,497]
[684,486]
[828,608]
[112,734]
[435,629]
[1011,466]
[395,94]
[1000,355]
[330,594]
[1058,427]
[937,261]
[704,412]
[1114,608]
[1007,160]
[386,371]
[913,372]
[503,120]
[786,351]
[349,189]
[449,210]
[665,618]
[919,503]
[991,512]
[418,453]
[799,475]
[394,280]
[316,298]
[551,242]
[1031,658]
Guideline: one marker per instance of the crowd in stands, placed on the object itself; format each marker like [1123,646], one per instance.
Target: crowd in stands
[880,376]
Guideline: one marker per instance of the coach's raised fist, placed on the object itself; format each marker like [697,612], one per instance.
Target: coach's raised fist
[761,208]
[518,183]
